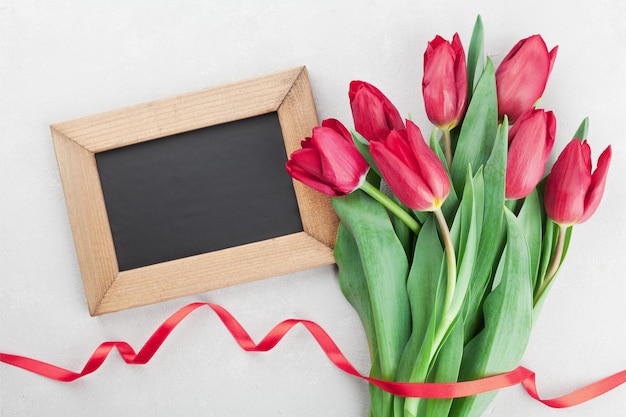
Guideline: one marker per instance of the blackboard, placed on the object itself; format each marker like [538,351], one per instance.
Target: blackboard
[198,191]
[190,193]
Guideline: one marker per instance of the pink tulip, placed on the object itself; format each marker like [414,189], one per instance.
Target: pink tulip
[373,113]
[573,193]
[329,162]
[444,85]
[413,171]
[530,143]
[522,76]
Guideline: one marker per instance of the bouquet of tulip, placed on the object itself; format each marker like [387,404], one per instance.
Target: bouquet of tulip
[447,248]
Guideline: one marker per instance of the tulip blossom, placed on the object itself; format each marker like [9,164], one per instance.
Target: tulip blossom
[373,113]
[573,192]
[329,162]
[530,143]
[522,76]
[444,85]
[413,171]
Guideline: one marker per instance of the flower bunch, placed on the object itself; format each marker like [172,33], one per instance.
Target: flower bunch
[447,248]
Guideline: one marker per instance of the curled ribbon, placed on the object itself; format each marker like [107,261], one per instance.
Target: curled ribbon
[519,375]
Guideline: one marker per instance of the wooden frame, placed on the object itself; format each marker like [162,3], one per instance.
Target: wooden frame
[76,143]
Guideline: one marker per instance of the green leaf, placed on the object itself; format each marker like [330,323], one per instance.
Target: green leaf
[353,284]
[467,238]
[508,321]
[364,148]
[374,177]
[492,236]
[451,204]
[568,238]
[581,132]
[479,128]
[404,232]
[422,283]
[380,401]
[385,266]
[530,217]
[426,276]
[425,348]
[548,245]
[475,57]
[446,369]
[465,233]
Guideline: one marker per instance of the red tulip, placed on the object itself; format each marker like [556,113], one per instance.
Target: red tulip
[444,85]
[374,115]
[573,193]
[522,76]
[329,161]
[412,170]
[530,143]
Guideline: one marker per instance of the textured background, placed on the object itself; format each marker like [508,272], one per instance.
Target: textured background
[61,60]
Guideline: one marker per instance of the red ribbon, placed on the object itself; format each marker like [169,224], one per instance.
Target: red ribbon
[519,375]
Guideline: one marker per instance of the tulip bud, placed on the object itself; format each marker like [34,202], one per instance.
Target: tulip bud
[329,162]
[411,169]
[373,113]
[530,143]
[573,193]
[444,85]
[522,76]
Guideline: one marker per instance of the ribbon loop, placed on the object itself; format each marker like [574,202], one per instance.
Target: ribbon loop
[519,375]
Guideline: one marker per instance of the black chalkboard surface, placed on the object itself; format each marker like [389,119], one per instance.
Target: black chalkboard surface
[198,191]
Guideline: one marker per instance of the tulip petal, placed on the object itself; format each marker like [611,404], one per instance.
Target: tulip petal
[444,84]
[305,166]
[409,188]
[338,127]
[342,164]
[531,140]
[373,113]
[586,155]
[439,88]
[551,134]
[552,57]
[598,182]
[568,183]
[460,75]
[329,161]
[522,76]
[411,169]
[428,164]
[306,143]
[398,144]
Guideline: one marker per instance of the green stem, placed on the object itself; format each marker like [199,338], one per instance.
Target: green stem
[392,206]
[447,146]
[450,257]
[554,264]
[447,317]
